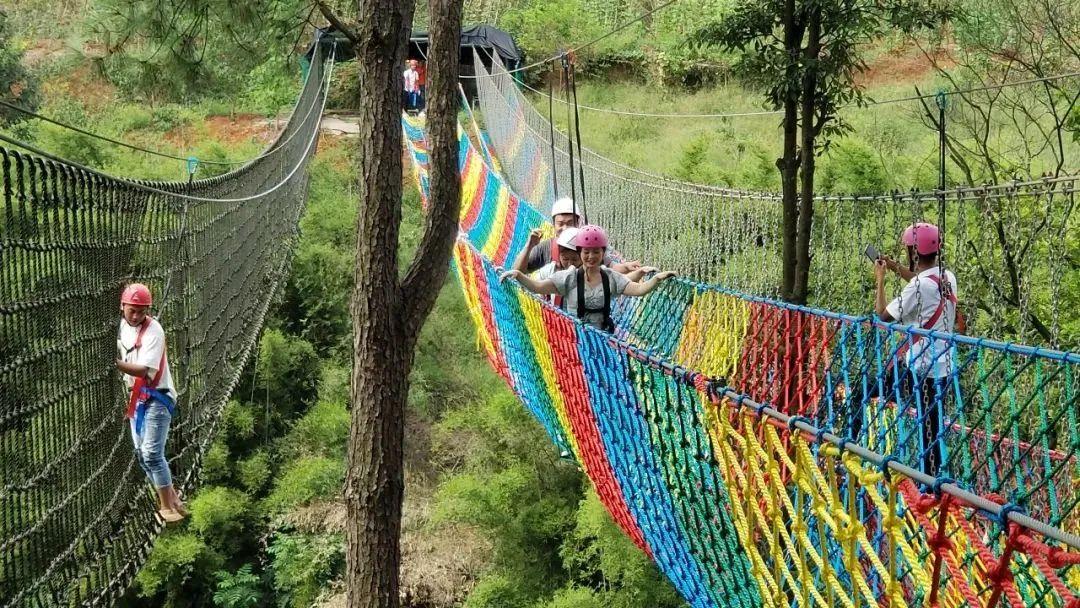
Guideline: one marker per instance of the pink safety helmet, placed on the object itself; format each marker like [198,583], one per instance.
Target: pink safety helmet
[925,238]
[591,236]
[137,294]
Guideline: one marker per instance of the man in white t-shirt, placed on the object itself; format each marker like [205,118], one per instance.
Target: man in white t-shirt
[152,404]
[928,301]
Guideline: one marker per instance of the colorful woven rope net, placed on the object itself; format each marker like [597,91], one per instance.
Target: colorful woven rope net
[719,430]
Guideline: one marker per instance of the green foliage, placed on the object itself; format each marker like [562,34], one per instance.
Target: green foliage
[182,49]
[322,431]
[317,295]
[177,559]
[575,597]
[17,85]
[272,85]
[288,368]
[217,467]
[498,591]
[221,516]
[543,27]
[510,485]
[601,558]
[303,564]
[851,166]
[304,480]
[693,167]
[253,473]
[239,590]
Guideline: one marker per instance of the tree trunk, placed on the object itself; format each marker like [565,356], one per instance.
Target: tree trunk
[789,162]
[807,157]
[387,315]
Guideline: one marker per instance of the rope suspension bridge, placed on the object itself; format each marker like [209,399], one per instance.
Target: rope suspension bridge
[732,436]
[76,517]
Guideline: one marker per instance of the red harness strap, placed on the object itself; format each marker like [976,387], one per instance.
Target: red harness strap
[949,297]
[140,382]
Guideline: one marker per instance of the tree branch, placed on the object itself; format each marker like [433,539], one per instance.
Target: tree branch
[429,266]
[338,24]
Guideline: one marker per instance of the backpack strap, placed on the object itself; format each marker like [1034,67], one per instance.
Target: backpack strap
[606,310]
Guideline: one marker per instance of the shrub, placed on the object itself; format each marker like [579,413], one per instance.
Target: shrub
[217,467]
[851,166]
[323,430]
[497,591]
[306,479]
[178,560]
[302,564]
[221,515]
[289,369]
[254,472]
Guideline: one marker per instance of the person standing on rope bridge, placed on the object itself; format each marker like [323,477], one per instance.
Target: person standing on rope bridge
[412,87]
[927,301]
[589,290]
[539,253]
[151,407]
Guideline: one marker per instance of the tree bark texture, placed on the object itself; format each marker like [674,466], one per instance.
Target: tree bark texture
[807,157]
[387,314]
[789,162]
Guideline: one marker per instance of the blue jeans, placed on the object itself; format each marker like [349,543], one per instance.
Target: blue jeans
[150,445]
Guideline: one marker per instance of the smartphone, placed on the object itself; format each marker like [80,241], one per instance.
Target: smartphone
[872,253]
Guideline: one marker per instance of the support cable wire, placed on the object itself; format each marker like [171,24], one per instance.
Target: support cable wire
[870,103]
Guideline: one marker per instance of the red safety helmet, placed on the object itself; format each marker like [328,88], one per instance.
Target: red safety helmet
[137,294]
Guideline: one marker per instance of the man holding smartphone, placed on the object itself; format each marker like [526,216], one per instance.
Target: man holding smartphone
[923,365]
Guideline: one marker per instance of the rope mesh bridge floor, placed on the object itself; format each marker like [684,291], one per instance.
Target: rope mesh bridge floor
[1003,241]
[76,515]
[711,425]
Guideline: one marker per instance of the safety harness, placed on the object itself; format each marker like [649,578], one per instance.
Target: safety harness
[142,392]
[949,296]
[609,325]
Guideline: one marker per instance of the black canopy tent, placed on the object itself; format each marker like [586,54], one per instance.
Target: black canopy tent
[487,40]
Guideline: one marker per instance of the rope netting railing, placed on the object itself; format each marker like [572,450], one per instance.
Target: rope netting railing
[77,517]
[1004,242]
[719,430]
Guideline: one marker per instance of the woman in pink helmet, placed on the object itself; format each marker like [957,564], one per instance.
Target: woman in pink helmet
[588,290]
[152,404]
[925,364]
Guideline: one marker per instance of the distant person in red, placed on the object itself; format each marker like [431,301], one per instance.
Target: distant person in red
[152,405]
[421,83]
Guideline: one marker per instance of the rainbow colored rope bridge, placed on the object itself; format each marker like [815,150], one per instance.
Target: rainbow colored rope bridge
[719,431]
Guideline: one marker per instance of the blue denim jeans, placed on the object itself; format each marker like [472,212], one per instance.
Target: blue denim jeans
[150,445]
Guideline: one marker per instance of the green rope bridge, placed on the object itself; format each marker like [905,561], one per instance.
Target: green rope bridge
[76,517]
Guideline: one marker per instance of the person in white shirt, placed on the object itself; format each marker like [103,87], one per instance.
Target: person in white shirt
[928,301]
[152,405]
[588,291]
[412,86]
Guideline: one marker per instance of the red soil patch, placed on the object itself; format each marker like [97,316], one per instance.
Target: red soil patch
[904,64]
[83,83]
[240,128]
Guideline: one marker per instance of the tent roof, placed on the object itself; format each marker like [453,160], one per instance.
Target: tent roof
[477,36]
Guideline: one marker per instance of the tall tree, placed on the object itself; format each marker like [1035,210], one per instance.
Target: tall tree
[389,311]
[804,55]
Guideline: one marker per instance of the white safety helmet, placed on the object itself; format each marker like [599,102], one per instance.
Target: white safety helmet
[566,238]
[563,205]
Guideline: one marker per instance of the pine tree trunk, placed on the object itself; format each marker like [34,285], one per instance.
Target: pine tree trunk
[374,481]
[387,314]
[807,157]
